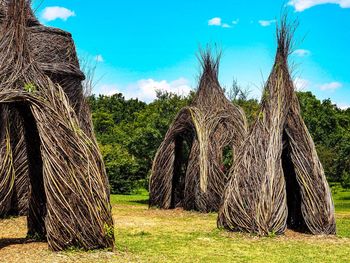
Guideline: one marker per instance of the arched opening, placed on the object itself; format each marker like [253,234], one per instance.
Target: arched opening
[295,219]
[183,145]
[37,198]
[60,159]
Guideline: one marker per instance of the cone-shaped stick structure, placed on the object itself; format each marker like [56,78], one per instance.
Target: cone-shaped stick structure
[54,52]
[188,168]
[277,180]
[69,195]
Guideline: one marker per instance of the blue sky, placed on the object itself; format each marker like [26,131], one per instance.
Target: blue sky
[140,46]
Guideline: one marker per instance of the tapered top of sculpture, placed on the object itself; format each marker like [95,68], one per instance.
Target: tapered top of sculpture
[209,93]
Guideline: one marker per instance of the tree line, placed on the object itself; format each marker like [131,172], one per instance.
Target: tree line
[129,133]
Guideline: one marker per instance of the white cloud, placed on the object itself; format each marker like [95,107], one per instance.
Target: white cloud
[107,89]
[56,12]
[304,84]
[99,58]
[265,23]
[235,22]
[343,106]
[301,84]
[145,89]
[331,86]
[301,5]
[216,21]
[302,52]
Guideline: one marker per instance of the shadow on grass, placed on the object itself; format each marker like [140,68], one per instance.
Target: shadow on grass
[5,242]
[344,198]
[142,202]
[343,206]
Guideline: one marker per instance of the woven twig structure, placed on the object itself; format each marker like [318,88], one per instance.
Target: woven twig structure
[200,131]
[54,52]
[68,198]
[277,181]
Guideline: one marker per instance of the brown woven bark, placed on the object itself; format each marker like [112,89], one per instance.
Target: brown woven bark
[69,193]
[277,180]
[203,130]
[54,52]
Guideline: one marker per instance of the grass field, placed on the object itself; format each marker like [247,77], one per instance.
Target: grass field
[152,235]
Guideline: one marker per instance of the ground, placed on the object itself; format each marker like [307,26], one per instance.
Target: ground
[152,235]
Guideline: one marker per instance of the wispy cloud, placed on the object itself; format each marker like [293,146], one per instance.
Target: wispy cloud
[266,23]
[146,89]
[301,84]
[304,84]
[99,58]
[301,5]
[235,22]
[343,106]
[331,86]
[302,52]
[216,21]
[107,89]
[56,12]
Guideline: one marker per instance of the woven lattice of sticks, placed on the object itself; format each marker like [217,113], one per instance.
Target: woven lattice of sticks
[54,52]
[69,194]
[277,180]
[188,167]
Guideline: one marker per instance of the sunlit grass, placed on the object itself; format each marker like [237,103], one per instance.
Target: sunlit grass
[154,235]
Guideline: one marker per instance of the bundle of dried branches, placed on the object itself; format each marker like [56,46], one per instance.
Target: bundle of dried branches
[69,197]
[200,131]
[54,52]
[277,180]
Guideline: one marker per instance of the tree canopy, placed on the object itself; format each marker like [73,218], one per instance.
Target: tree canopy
[130,131]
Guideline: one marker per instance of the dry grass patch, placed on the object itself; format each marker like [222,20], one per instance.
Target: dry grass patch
[152,235]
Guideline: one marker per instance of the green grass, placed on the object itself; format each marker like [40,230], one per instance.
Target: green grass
[342,200]
[141,198]
[153,235]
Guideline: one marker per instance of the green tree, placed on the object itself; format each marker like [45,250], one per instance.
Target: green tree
[121,168]
[330,127]
[130,131]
